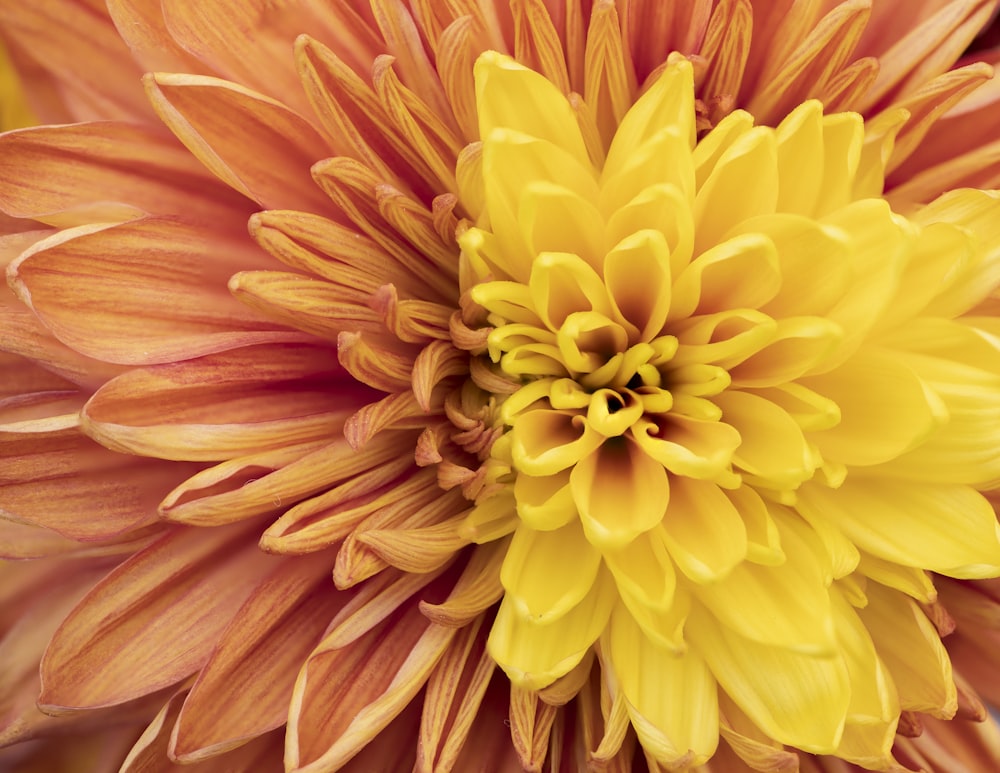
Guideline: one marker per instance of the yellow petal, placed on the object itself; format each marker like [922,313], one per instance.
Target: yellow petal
[620,492]
[534,592]
[545,442]
[946,528]
[704,531]
[670,722]
[800,700]
[911,649]
[886,409]
[533,655]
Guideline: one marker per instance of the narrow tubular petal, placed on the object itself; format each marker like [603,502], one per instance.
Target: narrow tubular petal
[100,658]
[270,162]
[152,290]
[261,483]
[223,405]
[244,688]
[800,700]
[620,492]
[670,723]
[949,529]
[531,726]
[359,687]
[455,692]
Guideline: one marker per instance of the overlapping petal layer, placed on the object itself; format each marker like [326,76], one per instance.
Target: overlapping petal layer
[647,349]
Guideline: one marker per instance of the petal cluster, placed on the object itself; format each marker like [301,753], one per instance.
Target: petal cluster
[725,442]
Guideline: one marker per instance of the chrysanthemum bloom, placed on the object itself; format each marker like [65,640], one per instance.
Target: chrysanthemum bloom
[608,385]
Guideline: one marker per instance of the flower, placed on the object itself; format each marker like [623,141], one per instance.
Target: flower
[631,367]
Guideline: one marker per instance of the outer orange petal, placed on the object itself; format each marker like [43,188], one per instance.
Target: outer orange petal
[352,686]
[153,621]
[58,36]
[150,752]
[244,689]
[63,481]
[250,41]
[104,172]
[224,405]
[152,290]
[267,161]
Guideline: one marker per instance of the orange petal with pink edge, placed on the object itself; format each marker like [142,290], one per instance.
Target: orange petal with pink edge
[58,37]
[360,684]
[64,481]
[224,405]
[106,172]
[244,688]
[276,147]
[152,290]
[180,593]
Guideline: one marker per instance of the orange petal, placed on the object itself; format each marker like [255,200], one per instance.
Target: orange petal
[262,483]
[270,161]
[58,37]
[142,26]
[105,172]
[358,687]
[454,693]
[331,516]
[223,405]
[250,41]
[149,754]
[244,689]
[153,621]
[65,482]
[152,290]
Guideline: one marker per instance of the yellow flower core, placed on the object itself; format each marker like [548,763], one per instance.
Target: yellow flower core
[740,416]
